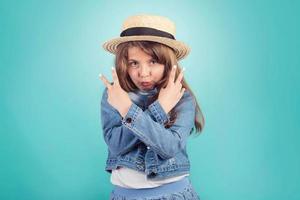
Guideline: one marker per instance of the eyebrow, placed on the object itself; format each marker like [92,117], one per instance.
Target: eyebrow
[131,59]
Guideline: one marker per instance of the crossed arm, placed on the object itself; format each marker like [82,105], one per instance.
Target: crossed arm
[121,134]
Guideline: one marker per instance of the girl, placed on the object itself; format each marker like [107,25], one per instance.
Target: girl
[148,112]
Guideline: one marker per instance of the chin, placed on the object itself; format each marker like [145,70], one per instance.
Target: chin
[146,88]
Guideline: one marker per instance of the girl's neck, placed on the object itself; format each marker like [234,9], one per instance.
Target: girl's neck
[147,92]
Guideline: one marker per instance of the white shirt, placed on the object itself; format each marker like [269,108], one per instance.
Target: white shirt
[129,178]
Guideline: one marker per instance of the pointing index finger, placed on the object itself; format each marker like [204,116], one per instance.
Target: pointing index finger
[105,81]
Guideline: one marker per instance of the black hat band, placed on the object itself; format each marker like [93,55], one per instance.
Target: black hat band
[138,31]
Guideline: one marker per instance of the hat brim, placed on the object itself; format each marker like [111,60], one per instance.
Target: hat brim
[181,49]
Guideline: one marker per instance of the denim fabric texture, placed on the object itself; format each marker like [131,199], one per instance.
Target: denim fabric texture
[140,140]
[180,190]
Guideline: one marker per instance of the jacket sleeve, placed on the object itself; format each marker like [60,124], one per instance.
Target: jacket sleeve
[118,138]
[165,142]
[156,112]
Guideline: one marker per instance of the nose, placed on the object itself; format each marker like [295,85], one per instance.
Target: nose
[145,71]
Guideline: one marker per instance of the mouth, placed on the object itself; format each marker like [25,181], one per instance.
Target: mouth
[146,84]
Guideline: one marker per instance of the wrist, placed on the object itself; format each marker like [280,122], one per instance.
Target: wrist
[163,106]
[123,112]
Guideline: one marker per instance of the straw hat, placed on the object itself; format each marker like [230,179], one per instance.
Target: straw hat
[146,27]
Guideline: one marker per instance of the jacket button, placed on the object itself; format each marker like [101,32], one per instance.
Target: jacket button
[152,174]
[128,120]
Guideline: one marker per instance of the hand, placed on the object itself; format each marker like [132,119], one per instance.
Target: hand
[117,97]
[170,95]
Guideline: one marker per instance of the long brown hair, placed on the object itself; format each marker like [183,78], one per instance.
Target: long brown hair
[163,55]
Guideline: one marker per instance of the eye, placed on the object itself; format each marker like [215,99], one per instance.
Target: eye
[133,64]
[153,61]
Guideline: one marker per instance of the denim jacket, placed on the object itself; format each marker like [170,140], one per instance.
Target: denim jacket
[140,140]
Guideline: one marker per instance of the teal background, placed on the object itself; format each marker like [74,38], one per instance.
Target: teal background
[244,69]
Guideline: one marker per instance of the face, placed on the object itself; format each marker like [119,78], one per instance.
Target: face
[143,70]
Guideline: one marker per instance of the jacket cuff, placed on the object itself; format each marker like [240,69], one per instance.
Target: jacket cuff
[132,113]
[158,112]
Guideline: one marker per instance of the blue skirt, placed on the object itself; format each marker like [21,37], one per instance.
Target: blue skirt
[178,190]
